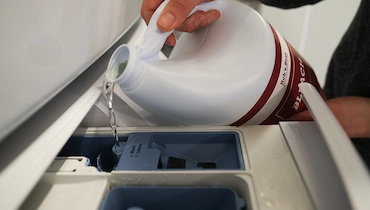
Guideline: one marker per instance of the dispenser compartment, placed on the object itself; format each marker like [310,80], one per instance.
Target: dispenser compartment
[181,150]
[164,197]
[98,149]
[160,151]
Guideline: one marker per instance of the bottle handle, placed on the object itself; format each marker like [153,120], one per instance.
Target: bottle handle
[153,39]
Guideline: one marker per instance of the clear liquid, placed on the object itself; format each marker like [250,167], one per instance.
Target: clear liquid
[121,68]
[108,88]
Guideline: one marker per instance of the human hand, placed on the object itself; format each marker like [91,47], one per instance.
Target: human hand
[352,112]
[175,16]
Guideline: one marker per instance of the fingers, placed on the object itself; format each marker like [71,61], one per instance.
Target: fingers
[199,19]
[171,40]
[175,13]
[148,8]
[175,16]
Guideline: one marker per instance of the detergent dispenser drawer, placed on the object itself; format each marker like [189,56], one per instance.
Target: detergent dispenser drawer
[160,151]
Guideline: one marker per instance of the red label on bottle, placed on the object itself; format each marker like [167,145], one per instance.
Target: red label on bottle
[291,103]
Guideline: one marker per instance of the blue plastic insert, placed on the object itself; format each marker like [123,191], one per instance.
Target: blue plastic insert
[97,148]
[181,150]
[163,198]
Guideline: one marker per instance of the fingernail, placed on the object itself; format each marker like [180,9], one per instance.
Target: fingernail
[212,18]
[199,20]
[167,20]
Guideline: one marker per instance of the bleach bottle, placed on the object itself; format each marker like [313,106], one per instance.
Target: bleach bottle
[239,70]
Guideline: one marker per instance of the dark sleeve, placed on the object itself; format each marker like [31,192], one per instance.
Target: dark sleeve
[287,4]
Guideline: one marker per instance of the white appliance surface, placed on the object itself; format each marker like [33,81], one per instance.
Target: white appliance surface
[46,44]
[49,45]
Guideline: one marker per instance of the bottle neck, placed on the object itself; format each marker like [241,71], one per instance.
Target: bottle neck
[124,66]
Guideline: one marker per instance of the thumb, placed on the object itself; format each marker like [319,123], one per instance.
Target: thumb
[175,13]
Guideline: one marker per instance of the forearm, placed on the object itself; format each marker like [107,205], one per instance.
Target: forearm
[352,112]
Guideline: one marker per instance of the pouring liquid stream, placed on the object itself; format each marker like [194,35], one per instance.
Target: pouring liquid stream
[108,88]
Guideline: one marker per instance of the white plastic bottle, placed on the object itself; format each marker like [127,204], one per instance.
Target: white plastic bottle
[238,70]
